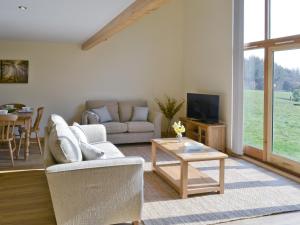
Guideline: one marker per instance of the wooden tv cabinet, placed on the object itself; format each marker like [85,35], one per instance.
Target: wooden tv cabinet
[212,135]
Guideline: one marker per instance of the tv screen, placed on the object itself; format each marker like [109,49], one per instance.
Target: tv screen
[203,107]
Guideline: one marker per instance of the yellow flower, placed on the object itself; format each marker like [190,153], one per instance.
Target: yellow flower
[178,127]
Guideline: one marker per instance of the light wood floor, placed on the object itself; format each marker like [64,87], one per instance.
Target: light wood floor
[25,200]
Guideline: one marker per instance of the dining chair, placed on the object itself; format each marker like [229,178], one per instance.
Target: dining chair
[7,126]
[35,129]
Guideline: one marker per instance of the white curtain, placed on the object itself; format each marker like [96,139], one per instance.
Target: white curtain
[238,61]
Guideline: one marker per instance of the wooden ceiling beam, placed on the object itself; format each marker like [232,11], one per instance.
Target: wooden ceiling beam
[135,11]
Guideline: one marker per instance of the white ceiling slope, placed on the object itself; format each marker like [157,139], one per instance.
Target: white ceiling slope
[71,21]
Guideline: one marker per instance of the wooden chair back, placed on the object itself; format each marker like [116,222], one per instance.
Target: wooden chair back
[38,119]
[7,125]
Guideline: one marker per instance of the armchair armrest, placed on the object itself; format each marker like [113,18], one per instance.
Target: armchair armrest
[97,192]
[94,132]
[94,164]
[155,118]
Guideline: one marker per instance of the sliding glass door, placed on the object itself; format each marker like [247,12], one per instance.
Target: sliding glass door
[285,104]
[272,82]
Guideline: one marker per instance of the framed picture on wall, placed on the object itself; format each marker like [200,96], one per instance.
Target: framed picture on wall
[14,71]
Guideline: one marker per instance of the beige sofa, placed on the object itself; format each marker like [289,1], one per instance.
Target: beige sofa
[103,191]
[122,130]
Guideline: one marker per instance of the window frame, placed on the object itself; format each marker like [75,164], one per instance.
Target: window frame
[269,44]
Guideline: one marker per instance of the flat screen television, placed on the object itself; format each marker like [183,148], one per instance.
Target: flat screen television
[203,107]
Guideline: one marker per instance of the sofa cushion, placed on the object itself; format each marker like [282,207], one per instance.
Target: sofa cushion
[140,113]
[63,144]
[110,150]
[126,108]
[55,119]
[140,126]
[115,127]
[112,107]
[90,152]
[78,133]
[103,114]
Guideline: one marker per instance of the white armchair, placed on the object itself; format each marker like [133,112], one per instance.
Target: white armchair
[97,192]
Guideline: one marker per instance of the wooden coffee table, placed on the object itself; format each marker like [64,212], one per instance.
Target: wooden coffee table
[182,176]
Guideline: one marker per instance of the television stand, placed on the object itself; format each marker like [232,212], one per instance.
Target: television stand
[210,134]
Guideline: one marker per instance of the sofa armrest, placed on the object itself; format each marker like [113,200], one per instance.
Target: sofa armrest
[89,117]
[97,192]
[155,118]
[84,118]
[94,132]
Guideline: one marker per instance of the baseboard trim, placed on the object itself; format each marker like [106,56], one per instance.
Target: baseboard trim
[269,167]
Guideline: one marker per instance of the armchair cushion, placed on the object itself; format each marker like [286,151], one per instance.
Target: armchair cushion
[55,119]
[110,151]
[63,144]
[140,126]
[90,152]
[78,133]
[94,133]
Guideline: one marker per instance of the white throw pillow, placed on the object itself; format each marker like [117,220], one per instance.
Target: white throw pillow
[103,113]
[140,113]
[78,133]
[90,152]
[55,119]
[64,145]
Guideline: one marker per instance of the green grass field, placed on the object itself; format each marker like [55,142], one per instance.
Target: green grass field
[286,119]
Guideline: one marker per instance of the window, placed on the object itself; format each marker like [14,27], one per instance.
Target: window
[285,18]
[286,103]
[253,98]
[272,82]
[254,28]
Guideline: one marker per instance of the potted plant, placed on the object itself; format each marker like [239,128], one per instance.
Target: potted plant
[169,108]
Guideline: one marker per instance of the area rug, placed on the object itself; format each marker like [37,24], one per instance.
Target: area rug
[250,191]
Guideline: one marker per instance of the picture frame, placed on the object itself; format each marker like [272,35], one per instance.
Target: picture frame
[14,71]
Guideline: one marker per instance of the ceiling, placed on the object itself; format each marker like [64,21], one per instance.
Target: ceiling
[71,21]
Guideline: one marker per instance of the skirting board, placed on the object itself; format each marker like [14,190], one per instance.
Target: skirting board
[265,166]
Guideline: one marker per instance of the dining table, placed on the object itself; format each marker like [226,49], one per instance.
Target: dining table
[24,120]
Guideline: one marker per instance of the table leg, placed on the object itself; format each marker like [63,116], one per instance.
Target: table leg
[153,156]
[183,179]
[27,140]
[222,175]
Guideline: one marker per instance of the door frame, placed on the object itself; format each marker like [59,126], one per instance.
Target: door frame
[276,160]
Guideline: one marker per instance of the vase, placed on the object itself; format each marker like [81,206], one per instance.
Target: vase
[179,137]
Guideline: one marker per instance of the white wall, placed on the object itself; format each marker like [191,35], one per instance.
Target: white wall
[186,46]
[144,61]
[208,52]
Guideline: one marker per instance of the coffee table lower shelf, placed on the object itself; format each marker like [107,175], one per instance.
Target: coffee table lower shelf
[197,182]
